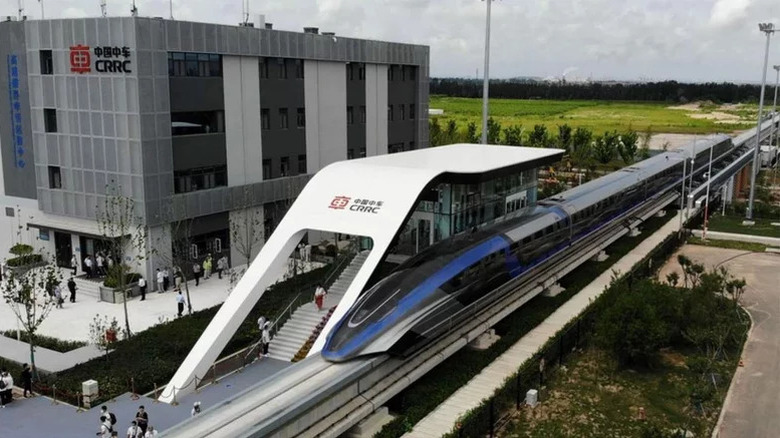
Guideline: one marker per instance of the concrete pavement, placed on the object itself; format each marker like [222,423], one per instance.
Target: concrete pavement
[752,406]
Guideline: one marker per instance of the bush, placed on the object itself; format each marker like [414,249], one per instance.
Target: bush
[21,249]
[24,260]
[112,277]
[46,342]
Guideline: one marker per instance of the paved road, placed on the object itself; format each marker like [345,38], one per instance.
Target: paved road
[752,408]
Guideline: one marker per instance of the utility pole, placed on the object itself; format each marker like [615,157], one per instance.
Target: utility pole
[769,29]
[21,10]
[486,80]
[103,8]
[170,8]
[682,194]
[133,10]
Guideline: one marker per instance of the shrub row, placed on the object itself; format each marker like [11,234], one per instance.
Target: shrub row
[23,260]
[47,342]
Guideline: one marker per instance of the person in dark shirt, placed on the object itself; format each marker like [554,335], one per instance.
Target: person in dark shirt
[27,380]
[142,418]
[72,289]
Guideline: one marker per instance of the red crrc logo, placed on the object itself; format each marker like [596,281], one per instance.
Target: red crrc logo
[80,59]
[339,202]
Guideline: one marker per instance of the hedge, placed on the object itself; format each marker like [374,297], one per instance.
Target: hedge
[152,357]
[47,342]
[23,260]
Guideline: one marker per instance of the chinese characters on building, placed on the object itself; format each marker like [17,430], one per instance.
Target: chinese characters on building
[108,59]
[17,130]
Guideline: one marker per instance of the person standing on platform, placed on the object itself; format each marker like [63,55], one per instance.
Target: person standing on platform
[134,431]
[166,279]
[160,281]
[105,428]
[27,381]
[142,418]
[74,264]
[6,386]
[220,267]
[151,433]
[142,286]
[180,302]
[58,295]
[207,267]
[72,289]
[99,264]
[195,409]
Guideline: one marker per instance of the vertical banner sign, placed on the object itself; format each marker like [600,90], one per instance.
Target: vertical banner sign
[17,131]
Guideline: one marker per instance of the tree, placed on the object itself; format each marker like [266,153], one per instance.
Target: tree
[581,145]
[605,147]
[494,132]
[565,137]
[627,146]
[435,133]
[513,135]
[103,332]
[125,234]
[246,229]
[179,256]
[27,293]
[451,134]
[472,136]
[538,137]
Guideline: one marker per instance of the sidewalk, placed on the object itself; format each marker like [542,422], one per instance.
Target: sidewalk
[443,418]
[719,235]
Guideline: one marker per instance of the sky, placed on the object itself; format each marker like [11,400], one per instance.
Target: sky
[685,40]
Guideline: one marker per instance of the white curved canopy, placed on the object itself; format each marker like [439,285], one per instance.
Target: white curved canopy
[329,202]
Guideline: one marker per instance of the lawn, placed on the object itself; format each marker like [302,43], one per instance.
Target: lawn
[598,116]
[733,224]
[595,398]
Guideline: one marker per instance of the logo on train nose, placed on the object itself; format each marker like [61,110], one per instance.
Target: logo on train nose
[358,205]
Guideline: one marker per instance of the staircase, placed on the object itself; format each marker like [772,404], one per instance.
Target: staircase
[304,320]
[85,289]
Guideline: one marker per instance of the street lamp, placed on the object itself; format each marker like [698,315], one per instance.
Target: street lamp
[769,29]
[486,80]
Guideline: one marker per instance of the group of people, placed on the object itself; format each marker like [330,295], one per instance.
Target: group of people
[56,293]
[7,385]
[94,267]
[139,426]
[204,270]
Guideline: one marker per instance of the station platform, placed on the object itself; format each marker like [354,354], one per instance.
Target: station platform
[39,416]
[442,419]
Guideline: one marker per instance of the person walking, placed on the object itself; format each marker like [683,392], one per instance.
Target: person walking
[195,409]
[72,290]
[99,265]
[166,278]
[260,323]
[207,267]
[178,277]
[266,337]
[6,386]
[196,273]
[142,286]
[220,267]
[88,266]
[58,296]
[27,381]
[74,264]
[180,302]
[319,296]
[110,418]
[105,427]
[160,281]
[142,418]
[150,433]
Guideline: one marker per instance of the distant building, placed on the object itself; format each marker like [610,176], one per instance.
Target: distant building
[186,118]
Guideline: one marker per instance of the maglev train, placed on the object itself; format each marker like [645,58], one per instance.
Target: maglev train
[434,290]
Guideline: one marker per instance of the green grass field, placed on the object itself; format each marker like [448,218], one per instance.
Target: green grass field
[598,116]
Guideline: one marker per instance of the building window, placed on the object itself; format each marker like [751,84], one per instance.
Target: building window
[263,68]
[50,119]
[301,164]
[350,116]
[47,63]
[299,69]
[411,111]
[283,121]
[194,64]
[390,112]
[301,118]
[55,177]
[267,168]
[202,178]
[362,114]
[282,68]
[362,72]
[265,118]
[284,166]
[197,122]
[401,112]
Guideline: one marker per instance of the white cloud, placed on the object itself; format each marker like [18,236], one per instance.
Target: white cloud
[659,39]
